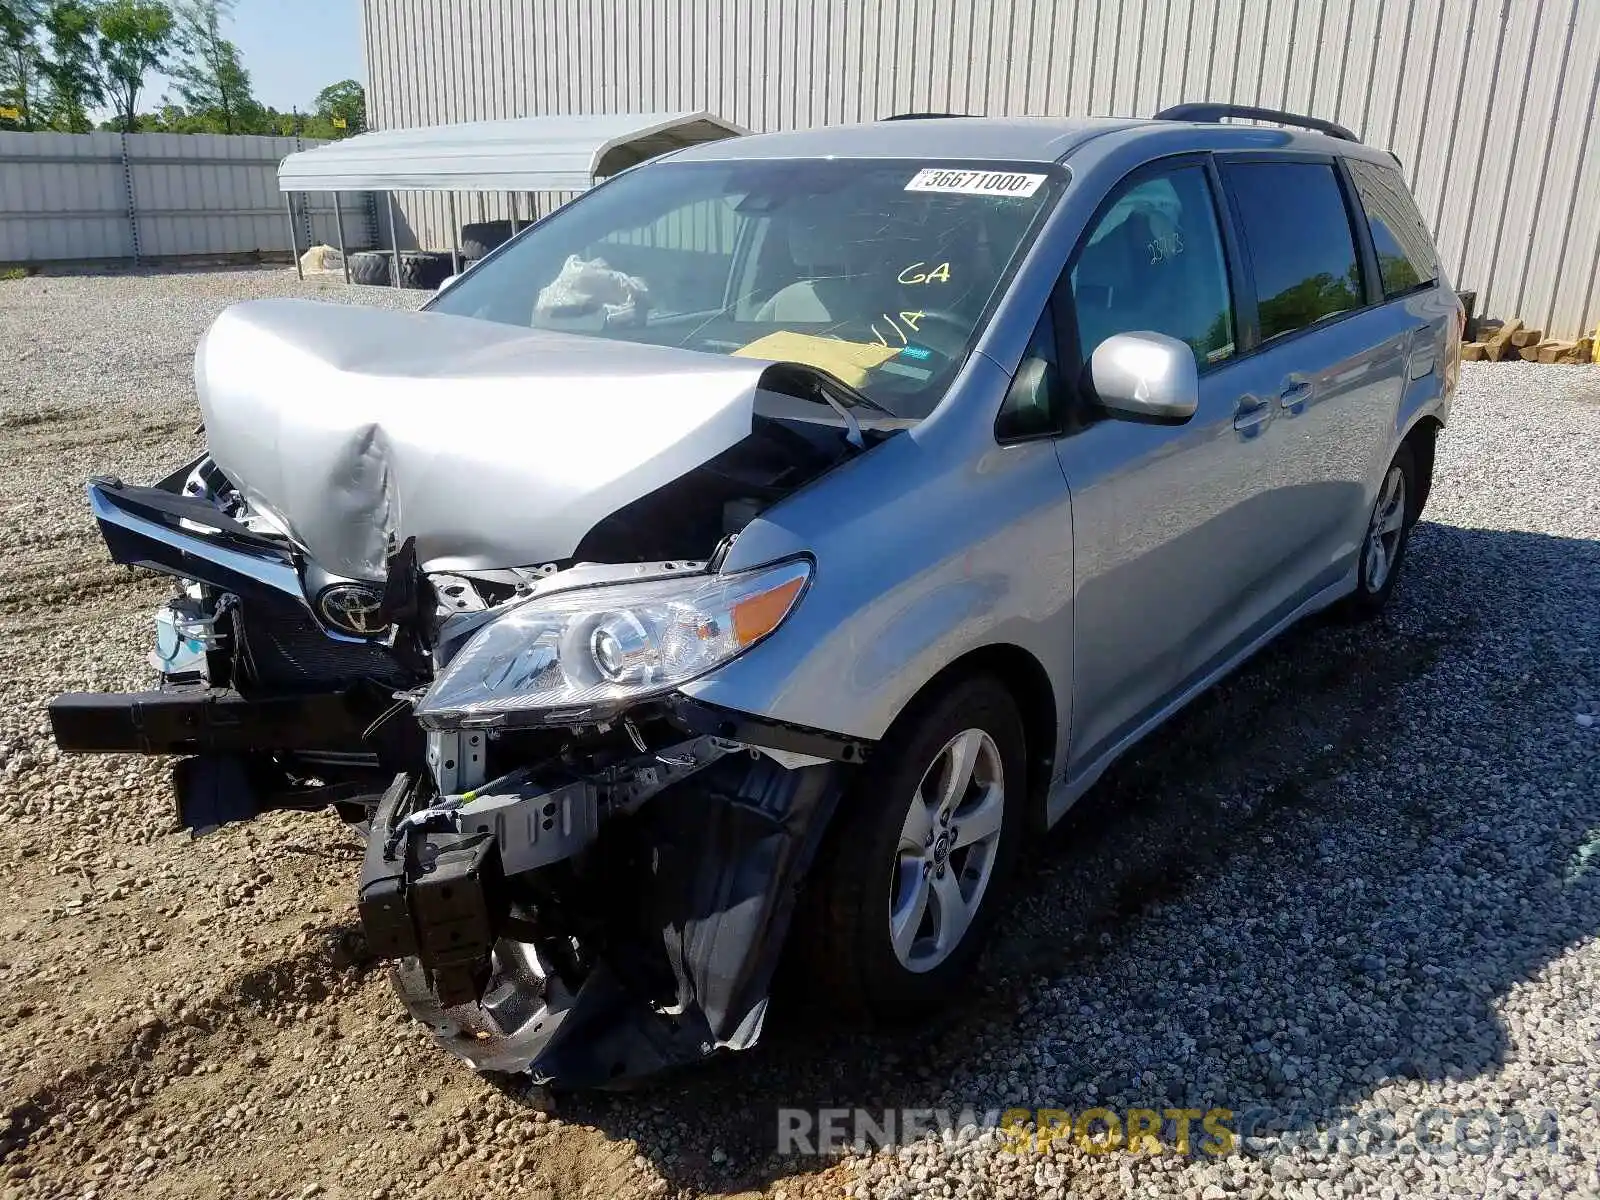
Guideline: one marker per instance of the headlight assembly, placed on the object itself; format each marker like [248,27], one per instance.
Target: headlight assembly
[583,653]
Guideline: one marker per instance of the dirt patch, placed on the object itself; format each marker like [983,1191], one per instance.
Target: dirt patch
[35,417]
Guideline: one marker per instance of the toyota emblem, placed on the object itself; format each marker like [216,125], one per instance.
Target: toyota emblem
[352,608]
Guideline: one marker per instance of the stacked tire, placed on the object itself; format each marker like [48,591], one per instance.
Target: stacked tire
[480,237]
[371,267]
[424,269]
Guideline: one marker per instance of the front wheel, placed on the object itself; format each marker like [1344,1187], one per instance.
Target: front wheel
[909,879]
[1388,528]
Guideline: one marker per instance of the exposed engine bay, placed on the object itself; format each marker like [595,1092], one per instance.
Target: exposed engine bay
[579,871]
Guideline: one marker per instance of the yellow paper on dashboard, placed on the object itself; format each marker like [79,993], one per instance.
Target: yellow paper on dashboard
[848,361]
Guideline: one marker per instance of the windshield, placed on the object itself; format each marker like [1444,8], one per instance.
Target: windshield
[878,272]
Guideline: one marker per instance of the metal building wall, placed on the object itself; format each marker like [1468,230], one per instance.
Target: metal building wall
[84,197]
[1490,104]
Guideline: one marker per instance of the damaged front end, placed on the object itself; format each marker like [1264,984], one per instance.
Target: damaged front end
[579,871]
[593,878]
[589,928]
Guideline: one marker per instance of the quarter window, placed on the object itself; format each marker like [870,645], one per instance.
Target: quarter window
[1406,258]
[1154,262]
[1297,231]
[1033,401]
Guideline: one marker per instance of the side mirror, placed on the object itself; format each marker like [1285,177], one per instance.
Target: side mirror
[1145,377]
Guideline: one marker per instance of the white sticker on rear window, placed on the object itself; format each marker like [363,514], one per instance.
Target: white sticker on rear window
[974,183]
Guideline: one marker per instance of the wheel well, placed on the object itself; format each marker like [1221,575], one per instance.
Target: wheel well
[1029,684]
[1424,434]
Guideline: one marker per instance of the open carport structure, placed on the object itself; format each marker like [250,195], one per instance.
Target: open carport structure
[526,154]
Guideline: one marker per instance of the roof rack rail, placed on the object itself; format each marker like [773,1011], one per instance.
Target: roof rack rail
[1213,113]
[923,116]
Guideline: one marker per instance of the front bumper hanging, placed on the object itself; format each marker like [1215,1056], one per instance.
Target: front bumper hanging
[203,720]
[711,866]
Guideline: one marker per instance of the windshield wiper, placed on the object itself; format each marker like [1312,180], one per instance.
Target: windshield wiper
[852,426]
[813,383]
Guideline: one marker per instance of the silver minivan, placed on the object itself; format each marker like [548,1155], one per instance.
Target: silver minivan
[744,558]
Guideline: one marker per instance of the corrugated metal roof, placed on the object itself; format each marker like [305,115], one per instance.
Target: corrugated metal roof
[526,154]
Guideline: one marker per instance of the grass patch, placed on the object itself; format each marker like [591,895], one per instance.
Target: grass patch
[14,273]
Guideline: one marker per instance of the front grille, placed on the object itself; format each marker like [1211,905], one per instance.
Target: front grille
[287,648]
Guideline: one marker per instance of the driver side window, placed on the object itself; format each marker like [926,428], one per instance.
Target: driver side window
[1154,262]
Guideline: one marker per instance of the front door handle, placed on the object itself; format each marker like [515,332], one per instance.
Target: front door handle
[1251,415]
[1295,397]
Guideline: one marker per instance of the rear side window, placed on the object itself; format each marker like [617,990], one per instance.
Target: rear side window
[1298,235]
[1406,258]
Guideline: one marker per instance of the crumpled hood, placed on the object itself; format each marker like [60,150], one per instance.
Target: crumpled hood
[493,446]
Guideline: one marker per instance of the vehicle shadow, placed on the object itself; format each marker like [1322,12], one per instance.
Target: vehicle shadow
[1320,877]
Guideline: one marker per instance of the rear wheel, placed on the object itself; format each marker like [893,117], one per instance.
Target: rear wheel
[907,886]
[1388,529]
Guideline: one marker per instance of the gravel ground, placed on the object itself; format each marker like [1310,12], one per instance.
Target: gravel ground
[1350,896]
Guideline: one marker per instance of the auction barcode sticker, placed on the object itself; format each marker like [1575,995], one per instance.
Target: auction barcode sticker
[974,183]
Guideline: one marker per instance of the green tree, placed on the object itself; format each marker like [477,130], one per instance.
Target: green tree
[134,37]
[72,70]
[20,62]
[346,101]
[173,118]
[210,77]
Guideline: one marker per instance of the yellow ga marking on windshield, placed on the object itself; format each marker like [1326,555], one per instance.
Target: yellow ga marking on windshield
[940,274]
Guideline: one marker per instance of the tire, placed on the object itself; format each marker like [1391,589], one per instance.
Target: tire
[370,267]
[868,871]
[424,269]
[1375,575]
[480,237]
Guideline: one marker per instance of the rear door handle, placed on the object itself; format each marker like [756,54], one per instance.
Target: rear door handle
[1295,397]
[1251,415]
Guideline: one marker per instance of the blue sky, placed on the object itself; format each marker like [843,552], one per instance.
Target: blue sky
[292,49]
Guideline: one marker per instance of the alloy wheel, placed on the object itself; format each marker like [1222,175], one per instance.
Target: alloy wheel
[1388,525]
[946,852]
